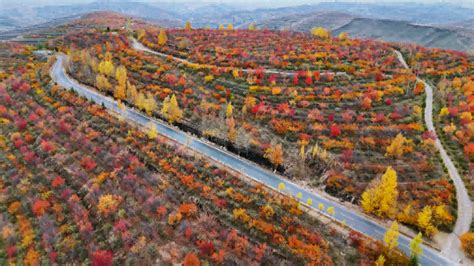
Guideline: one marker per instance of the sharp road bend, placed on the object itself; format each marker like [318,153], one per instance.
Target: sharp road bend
[452,247]
[351,218]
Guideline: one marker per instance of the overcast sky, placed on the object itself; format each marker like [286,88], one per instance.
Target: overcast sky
[269,3]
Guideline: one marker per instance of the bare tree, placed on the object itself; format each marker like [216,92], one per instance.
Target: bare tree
[243,139]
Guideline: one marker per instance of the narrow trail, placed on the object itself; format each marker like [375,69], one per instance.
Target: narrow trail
[452,247]
[343,214]
[140,47]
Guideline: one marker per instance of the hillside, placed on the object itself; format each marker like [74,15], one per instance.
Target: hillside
[82,184]
[399,31]
[126,143]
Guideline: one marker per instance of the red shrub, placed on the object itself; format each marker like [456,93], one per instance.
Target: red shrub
[57,181]
[39,207]
[335,130]
[88,163]
[206,247]
[102,258]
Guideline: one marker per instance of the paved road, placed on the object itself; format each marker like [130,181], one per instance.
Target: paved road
[140,47]
[352,218]
[452,247]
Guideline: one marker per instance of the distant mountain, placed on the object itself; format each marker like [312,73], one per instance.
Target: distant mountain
[242,18]
[14,33]
[399,31]
[449,26]
[465,24]
[417,13]
[430,14]
[306,21]
[21,16]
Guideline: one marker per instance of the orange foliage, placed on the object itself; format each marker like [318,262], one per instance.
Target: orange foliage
[467,243]
[188,209]
[419,88]
[469,149]
[191,260]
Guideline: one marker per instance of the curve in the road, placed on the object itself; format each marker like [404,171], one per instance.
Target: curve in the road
[353,219]
[140,47]
[452,247]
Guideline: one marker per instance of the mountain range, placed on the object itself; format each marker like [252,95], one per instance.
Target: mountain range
[432,25]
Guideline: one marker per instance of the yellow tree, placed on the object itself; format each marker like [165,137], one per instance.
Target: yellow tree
[321,206]
[442,215]
[140,100]
[399,146]
[415,248]
[302,152]
[230,26]
[174,112]
[319,152]
[120,92]
[424,221]
[281,186]
[380,261]
[151,130]
[141,34]
[188,26]
[149,104]
[165,107]
[331,210]
[121,75]
[229,110]
[343,36]
[221,26]
[381,197]
[274,154]
[170,109]
[320,32]
[102,82]
[235,73]
[391,236]
[121,87]
[252,26]
[106,67]
[162,38]
[406,215]
[231,132]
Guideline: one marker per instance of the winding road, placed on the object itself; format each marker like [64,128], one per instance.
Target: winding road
[140,47]
[452,247]
[353,219]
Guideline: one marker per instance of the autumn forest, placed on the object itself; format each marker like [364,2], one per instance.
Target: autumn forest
[124,142]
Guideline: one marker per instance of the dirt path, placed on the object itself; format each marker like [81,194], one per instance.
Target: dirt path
[140,47]
[452,247]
